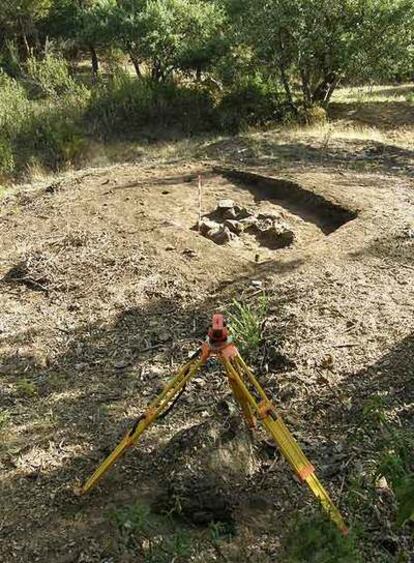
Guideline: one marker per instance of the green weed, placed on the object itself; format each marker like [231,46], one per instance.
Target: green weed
[316,540]
[26,388]
[154,538]
[246,324]
[4,419]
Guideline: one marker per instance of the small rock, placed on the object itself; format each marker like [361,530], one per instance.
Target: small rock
[121,364]
[206,225]
[229,214]
[269,215]
[163,335]
[249,221]
[225,204]
[242,212]
[235,226]
[257,284]
[190,253]
[220,235]
[382,484]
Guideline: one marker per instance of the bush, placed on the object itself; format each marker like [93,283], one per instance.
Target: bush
[14,111]
[6,157]
[126,105]
[50,77]
[14,105]
[53,135]
[314,115]
[251,102]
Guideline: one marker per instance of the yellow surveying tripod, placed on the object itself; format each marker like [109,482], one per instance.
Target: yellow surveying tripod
[254,404]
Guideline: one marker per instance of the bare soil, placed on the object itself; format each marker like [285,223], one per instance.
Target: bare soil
[106,289]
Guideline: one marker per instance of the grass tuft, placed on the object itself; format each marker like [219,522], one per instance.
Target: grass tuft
[246,324]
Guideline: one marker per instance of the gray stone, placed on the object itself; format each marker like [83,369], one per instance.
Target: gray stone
[249,221]
[206,225]
[234,226]
[269,215]
[220,235]
[242,212]
[225,204]
[229,213]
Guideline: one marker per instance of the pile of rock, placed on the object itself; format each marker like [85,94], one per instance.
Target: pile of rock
[229,221]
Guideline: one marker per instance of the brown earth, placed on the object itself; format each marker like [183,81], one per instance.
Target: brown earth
[106,290]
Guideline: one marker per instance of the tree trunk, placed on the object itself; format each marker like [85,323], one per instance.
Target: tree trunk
[285,79]
[306,89]
[46,46]
[325,89]
[95,63]
[331,90]
[26,47]
[135,62]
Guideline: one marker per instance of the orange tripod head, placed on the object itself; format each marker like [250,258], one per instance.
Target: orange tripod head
[218,333]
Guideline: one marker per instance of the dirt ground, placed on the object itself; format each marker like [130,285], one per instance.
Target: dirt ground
[106,289]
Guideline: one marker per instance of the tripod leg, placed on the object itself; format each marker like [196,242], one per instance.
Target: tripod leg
[290,449]
[243,403]
[154,410]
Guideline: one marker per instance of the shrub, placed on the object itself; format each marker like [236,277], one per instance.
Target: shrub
[50,77]
[314,115]
[125,106]
[6,157]
[14,105]
[53,135]
[250,102]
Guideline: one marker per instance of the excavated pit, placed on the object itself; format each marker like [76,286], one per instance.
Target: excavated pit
[257,213]
[308,205]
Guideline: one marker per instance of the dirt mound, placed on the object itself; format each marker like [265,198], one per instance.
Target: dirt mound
[206,464]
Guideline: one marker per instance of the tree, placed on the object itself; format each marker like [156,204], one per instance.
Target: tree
[19,20]
[86,23]
[169,35]
[318,43]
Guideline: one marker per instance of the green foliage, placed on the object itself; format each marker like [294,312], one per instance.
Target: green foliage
[252,101]
[14,105]
[246,324]
[404,493]
[51,77]
[410,98]
[54,138]
[202,65]
[396,457]
[6,157]
[26,388]
[4,419]
[151,537]
[168,35]
[316,540]
[49,133]
[125,106]
[321,43]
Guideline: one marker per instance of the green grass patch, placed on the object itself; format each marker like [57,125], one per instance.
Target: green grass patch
[155,539]
[315,539]
[246,322]
[26,388]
